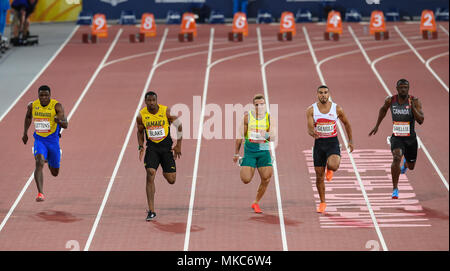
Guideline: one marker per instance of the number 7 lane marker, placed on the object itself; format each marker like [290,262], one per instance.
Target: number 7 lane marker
[358,177]
[27,184]
[372,65]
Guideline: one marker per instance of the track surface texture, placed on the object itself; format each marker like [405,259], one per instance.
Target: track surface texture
[98,201]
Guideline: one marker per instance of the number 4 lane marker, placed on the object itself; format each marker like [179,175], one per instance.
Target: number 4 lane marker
[358,177]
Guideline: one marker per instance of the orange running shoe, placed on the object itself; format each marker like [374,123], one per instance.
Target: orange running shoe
[329,175]
[40,197]
[256,208]
[322,207]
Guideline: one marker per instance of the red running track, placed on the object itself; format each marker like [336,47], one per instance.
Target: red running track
[220,217]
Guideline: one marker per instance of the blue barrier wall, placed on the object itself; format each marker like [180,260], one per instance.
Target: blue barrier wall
[112,8]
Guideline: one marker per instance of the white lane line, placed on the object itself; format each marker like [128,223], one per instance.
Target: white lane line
[27,184]
[124,146]
[427,64]
[40,72]
[200,131]
[275,168]
[341,130]
[443,29]
[372,65]
[409,44]
[421,59]
[199,143]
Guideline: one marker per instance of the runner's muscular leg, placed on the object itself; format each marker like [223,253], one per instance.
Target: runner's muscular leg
[333,162]
[54,171]
[410,165]
[171,177]
[395,166]
[320,174]
[150,188]
[265,173]
[247,174]
[38,175]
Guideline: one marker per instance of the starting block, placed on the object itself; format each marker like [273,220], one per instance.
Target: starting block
[334,26]
[22,41]
[429,35]
[139,36]
[240,27]
[287,26]
[4,44]
[285,36]
[235,36]
[188,27]
[378,25]
[382,35]
[99,29]
[428,25]
[86,37]
[186,36]
[147,28]
[331,35]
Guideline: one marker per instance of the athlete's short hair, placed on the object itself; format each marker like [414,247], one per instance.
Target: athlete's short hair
[44,88]
[322,86]
[150,93]
[402,82]
[257,97]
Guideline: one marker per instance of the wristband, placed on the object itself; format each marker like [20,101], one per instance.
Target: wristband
[140,148]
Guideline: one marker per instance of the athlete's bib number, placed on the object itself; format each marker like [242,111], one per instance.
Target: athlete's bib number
[156,133]
[401,128]
[325,129]
[42,125]
[256,137]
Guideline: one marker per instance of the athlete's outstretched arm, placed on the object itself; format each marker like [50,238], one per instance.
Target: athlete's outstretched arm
[310,121]
[348,127]
[27,123]
[416,108]
[140,136]
[175,121]
[60,117]
[381,114]
[241,135]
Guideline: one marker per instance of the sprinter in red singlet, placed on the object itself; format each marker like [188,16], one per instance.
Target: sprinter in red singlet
[322,119]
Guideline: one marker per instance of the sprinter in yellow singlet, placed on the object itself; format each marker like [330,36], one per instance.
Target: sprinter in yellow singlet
[257,130]
[154,122]
[48,116]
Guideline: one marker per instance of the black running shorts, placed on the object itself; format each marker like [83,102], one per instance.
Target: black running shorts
[408,145]
[155,156]
[323,148]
